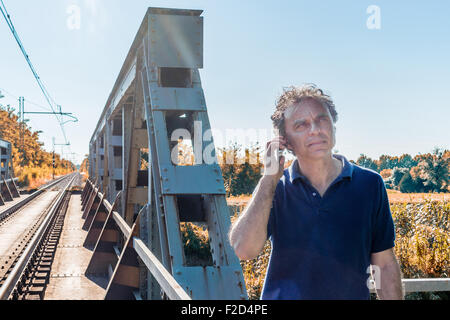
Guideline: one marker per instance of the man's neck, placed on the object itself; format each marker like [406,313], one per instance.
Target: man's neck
[320,172]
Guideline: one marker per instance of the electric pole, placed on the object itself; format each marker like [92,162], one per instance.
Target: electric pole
[53,159]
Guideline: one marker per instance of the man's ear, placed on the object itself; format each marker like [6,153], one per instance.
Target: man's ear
[289,147]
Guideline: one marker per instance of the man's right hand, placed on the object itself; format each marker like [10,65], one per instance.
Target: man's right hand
[272,168]
[249,232]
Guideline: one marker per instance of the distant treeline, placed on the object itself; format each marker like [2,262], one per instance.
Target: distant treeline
[31,163]
[242,168]
[423,173]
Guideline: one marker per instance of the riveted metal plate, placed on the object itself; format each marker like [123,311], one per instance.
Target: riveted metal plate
[176,41]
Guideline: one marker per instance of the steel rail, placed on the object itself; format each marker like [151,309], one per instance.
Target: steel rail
[9,285]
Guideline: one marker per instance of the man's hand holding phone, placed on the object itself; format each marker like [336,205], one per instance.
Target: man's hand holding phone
[274,158]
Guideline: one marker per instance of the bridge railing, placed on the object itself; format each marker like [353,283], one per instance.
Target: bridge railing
[108,258]
[8,190]
[421,285]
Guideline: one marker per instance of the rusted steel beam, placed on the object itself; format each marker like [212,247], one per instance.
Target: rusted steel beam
[5,191]
[98,203]
[87,189]
[125,278]
[104,254]
[99,222]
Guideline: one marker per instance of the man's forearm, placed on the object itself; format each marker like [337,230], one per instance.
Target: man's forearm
[391,283]
[249,232]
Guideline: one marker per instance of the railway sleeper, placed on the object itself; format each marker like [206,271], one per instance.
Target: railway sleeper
[43,269]
[35,283]
[42,275]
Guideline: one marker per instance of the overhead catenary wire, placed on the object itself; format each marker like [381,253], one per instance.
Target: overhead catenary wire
[28,101]
[8,93]
[44,90]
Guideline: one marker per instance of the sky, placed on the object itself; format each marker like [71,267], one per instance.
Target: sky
[385,64]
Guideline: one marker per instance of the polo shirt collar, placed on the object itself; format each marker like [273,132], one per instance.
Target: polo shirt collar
[347,170]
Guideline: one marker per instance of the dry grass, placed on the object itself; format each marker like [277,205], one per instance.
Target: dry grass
[33,177]
[396,197]
[393,195]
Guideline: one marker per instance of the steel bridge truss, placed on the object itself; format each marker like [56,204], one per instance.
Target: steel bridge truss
[6,168]
[8,187]
[158,91]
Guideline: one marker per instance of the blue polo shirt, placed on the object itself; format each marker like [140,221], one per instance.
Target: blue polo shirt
[321,246]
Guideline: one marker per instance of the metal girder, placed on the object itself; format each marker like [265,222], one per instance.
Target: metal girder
[8,190]
[159,81]
[6,167]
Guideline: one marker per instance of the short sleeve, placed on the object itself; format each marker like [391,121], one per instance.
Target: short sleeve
[383,230]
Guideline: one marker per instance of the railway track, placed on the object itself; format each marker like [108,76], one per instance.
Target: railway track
[6,214]
[29,234]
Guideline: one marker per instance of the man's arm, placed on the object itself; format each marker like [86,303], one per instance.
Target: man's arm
[249,233]
[389,280]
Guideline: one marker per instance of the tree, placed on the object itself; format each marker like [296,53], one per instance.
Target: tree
[406,161]
[386,173]
[383,162]
[31,163]
[397,175]
[407,184]
[435,171]
[241,174]
[228,165]
[366,162]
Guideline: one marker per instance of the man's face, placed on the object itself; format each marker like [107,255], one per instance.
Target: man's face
[310,129]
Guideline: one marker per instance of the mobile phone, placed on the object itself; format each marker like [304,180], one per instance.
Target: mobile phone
[282,152]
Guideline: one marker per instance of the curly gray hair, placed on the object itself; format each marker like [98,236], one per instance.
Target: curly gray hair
[294,95]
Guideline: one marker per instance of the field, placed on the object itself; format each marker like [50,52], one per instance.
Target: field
[396,197]
[393,195]
[422,240]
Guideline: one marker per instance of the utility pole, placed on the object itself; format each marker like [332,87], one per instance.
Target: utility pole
[53,159]
[22,128]
[59,112]
[57,144]
[22,122]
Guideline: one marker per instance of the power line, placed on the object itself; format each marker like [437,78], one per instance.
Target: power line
[44,90]
[28,101]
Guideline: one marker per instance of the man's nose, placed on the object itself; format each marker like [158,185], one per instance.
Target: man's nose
[315,128]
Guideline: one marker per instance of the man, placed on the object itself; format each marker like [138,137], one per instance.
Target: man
[328,220]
